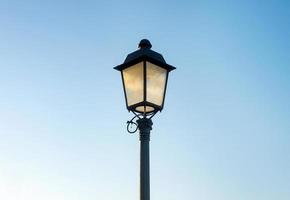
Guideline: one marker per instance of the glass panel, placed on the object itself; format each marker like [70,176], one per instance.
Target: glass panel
[156,79]
[133,81]
[141,108]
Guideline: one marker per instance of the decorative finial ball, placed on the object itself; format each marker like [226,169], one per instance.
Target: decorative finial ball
[145,44]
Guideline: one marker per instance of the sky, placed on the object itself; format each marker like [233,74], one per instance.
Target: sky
[224,132]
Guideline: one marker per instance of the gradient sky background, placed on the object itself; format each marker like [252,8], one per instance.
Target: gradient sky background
[224,133]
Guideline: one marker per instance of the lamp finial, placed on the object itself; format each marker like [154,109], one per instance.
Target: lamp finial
[144,44]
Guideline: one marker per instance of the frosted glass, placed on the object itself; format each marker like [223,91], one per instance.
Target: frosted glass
[141,109]
[133,80]
[156,79]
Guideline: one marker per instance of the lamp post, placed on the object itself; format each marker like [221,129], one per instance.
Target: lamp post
[144,76]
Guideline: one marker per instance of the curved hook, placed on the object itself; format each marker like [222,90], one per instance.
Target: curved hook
[132,123]
[129,127]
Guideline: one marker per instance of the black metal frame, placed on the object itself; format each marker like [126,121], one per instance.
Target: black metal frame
[144,101]
[144,55]
[144,86]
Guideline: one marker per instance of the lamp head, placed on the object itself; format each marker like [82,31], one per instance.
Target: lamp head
[144,75]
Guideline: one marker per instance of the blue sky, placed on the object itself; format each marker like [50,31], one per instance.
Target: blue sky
[224,132]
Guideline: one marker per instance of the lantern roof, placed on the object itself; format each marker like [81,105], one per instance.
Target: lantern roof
[144,53]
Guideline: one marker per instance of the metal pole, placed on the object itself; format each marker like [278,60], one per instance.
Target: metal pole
[145,126]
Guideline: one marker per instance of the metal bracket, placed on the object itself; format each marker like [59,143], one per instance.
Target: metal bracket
[132,125]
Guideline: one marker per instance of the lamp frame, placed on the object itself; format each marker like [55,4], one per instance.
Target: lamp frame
[144,55]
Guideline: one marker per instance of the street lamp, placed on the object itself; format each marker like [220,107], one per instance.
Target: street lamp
[144,76]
